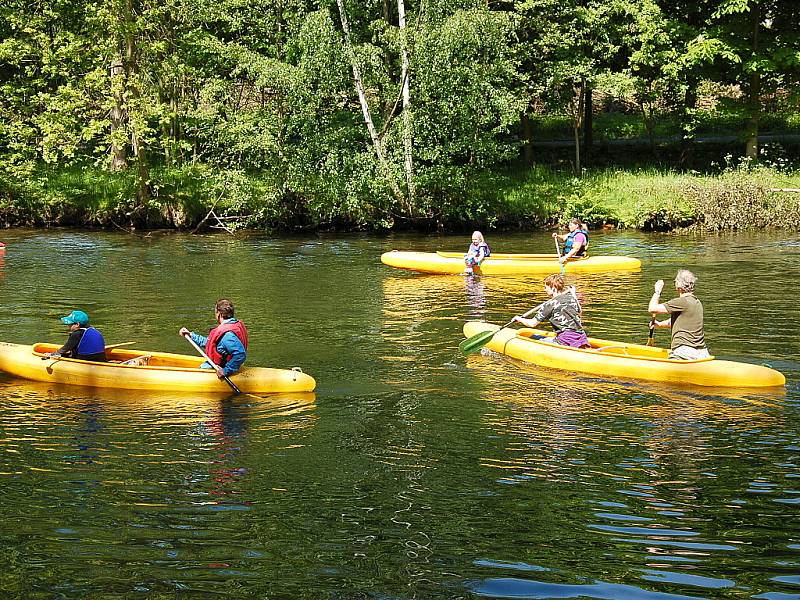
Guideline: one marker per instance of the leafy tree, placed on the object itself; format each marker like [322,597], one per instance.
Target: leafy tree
[568,45]
[760,40]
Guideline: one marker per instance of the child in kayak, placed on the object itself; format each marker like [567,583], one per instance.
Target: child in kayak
[576,242]
[477,251]
[563,311]
[84,342]
[226,344]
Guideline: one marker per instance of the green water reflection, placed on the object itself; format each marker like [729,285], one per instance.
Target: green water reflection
[413,472]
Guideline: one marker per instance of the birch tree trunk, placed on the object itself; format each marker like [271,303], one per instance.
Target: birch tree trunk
[132,83]
[377,144]
[577,115]
[408,144]
[119,154]
[754,93]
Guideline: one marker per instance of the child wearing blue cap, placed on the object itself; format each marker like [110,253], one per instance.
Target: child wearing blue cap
[84,342]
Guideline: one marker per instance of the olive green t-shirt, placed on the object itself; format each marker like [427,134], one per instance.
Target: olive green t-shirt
[686,314]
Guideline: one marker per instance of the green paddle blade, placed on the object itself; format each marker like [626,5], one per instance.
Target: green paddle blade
[476,342]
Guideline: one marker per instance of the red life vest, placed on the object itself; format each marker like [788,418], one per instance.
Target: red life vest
[215,335]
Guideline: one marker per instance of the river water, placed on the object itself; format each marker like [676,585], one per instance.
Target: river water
[412,472]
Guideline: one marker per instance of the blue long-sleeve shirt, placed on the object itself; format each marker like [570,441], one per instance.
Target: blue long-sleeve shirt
[228,345]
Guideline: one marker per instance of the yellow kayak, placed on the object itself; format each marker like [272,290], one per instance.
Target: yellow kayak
[618,359]
[506,264]
[143,370]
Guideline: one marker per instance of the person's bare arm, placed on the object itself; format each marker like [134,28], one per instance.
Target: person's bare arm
[656,307]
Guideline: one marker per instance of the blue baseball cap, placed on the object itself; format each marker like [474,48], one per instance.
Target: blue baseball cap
[76,316]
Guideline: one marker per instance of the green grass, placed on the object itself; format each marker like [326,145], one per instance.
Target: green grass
[646,198]
[722,121]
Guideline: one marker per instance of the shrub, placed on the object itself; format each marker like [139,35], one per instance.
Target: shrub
[741,199]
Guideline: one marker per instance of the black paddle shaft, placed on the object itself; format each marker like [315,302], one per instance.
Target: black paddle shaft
[227,379]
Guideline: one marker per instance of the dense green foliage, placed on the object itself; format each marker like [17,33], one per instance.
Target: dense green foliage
[294,114]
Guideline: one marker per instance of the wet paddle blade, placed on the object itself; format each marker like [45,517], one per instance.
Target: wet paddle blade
[476,342]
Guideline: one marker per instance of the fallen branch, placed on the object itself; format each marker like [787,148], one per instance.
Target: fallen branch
[220,224]
[790,190]
[210,212]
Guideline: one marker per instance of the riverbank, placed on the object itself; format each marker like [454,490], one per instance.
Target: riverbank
[199,197]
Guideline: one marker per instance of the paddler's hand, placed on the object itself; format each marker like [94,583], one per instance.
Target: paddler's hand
[659,286]
[555,235]
[220,372]
[183,332]
[562,260]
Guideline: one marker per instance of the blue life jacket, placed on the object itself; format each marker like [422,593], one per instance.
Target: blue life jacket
[486,250]
[92,342]
[571,240]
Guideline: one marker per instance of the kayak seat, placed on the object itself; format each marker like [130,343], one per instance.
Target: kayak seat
[138,361]
[614,349]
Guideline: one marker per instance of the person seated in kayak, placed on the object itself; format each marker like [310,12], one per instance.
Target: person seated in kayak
[686,318]
[84,342]
[564,313]
[576,242]
[226,344]
[476,253]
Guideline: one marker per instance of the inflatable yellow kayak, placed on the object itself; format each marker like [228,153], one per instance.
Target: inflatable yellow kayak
[143,370]
[618,359]
[506,264]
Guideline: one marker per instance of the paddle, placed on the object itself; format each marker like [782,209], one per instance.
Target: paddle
[558,251]
[108,347]
[651,340]
[227,379]
[479,340]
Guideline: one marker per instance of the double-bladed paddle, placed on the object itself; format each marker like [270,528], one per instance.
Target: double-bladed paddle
[479,340]
[227,379]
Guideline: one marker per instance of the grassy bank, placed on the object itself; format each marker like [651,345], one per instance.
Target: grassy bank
[185,198]
[616,125]
[659,199]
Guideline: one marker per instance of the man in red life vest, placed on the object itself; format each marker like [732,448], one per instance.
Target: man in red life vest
[226,344]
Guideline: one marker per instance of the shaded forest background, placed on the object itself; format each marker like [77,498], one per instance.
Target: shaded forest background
[387,114]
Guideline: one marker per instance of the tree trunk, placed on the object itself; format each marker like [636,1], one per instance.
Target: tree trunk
[754,96]
[527,136]
[119,154]
[408,144]
[132,70]
[577,116]
[688,121]
[377,144]
[646,108]
[587,125]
